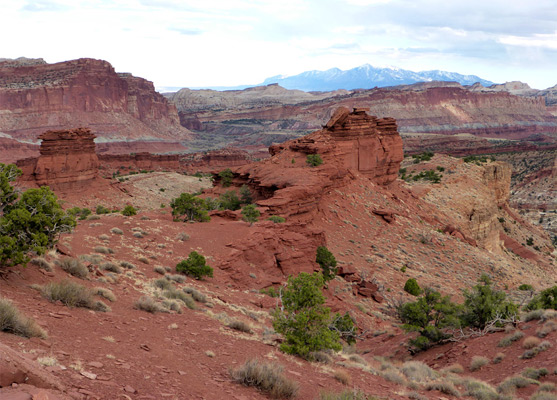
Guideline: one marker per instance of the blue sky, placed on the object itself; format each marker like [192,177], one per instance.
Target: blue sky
[231,42]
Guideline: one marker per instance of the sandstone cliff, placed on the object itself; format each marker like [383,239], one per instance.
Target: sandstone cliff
[427,108]
[83,92]
[351,143]
[67,161]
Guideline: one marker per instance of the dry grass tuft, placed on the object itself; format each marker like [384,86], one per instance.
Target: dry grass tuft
[104,236]
[13,321]
[530,342]
[111,267]
[239,326]
[163,284]
[179,295]
[196,294]
[104,292]
[183,237]
[117,231]
[159,269]
[498,358]
[143,259]
[320,357]
[73,266]
[417,371]
[509,385]
[172,305]
[342,376]
[146,303]
[127,265]
[42,263]
[353,394]
[72,294]
[546,329]
[357,359]
[443,387]
[92,258]
[453,368]
[267,377]
[176,278]
[47,361]
[103,250]
[477,363]
[510,339]
[534,373]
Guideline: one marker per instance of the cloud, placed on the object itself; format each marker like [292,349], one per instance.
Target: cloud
[187,32]
[43,5]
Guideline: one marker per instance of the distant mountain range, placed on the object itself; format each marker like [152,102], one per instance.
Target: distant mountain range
[367,77]
[362,77]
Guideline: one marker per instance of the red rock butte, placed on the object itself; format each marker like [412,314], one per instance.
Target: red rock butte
[67,161]
[351,143]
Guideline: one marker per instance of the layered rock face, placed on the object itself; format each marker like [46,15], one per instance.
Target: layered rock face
[214,160]
[351,143]
[437,108]
[67,161]
[83,92]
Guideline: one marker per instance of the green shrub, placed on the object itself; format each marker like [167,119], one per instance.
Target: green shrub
[80,213]
[226,177]
[314,160]
[547,299]
[192,208]
[102,210]
[245,195]
[195,266]
[482,304]
[13,321]
[129,210]
[345,326]
[276,219]
[229,201]
[428,316]
[327,261]
[29,222]
[411,286]
[303,320]
[267,377]
[525,287]
[250,213]
[425,156]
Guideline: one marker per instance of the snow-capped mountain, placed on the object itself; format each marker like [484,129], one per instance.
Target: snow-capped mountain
[366,77]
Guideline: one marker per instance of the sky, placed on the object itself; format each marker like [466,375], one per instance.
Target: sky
[186,43]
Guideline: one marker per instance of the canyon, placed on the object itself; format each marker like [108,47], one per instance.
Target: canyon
[382,230]
[119,107]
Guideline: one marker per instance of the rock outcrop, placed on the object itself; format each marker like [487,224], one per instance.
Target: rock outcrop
[84,92]
[215,159]
[351,143]
[67,161]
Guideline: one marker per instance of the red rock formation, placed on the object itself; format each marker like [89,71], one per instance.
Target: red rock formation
[145,161]
[215,160]
[67,161]
[83,92]
[351,143]
[278,251]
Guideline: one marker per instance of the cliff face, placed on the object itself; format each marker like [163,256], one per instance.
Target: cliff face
[83,92]
[67,161]
[351,143]
[442,109]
